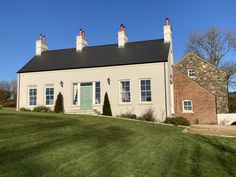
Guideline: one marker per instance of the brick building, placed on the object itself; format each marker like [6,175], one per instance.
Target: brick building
[200,90]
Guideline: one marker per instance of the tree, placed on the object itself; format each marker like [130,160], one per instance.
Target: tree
[59,106]
[213,44]
[106,110]
[230,68]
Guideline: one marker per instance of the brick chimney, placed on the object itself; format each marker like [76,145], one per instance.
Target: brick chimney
[122,36]
[81,42]
[41,45]
[167,32]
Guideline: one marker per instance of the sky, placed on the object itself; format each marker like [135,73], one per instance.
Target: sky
[21,22]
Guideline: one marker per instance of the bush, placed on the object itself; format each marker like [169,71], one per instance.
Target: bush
[177,121]
[1,107]
[128,114]
[59,107]
[133,116]
[41,109]
[24,109]
[148,115]
[9,103]
[106,110]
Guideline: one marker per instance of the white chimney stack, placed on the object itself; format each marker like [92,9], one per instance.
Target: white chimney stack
[41,45]
[81,42]
[122,36]
[167,32]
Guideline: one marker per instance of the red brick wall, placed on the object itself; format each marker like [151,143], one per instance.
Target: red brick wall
[204,103]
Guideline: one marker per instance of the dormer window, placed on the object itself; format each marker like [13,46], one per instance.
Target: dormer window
[191,73]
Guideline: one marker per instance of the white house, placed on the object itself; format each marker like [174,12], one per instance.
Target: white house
[136,76]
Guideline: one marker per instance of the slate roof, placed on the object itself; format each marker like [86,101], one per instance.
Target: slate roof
[100,56]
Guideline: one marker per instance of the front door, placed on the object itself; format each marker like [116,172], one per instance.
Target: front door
[86,96]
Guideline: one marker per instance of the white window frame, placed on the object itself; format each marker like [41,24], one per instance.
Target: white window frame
[140,90]
[120,97]
[28,95]
[187,111]
[96,92]
[78,85]
[45,94]
[190,72]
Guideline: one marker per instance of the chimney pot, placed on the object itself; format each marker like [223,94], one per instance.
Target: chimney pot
[167,22]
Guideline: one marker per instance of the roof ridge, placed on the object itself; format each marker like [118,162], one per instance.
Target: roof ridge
[103,45]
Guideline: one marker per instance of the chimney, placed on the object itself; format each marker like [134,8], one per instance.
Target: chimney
[81,42]
[167,32]
[41,45]
[122,36]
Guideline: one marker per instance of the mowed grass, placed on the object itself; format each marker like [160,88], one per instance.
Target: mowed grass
[56,145]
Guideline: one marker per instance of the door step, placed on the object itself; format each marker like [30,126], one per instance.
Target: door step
[87,112]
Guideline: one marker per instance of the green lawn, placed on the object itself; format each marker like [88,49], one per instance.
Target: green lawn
[49,145]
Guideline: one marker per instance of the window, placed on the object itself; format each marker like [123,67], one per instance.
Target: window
[32,96]
[125,91]
[191,73]
[187,106]
[146,95]
[75,94]
[49,95]
[97,93]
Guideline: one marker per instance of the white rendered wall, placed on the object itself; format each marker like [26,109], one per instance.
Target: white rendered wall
[134,73]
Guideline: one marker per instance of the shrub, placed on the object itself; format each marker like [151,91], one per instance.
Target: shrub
[128,114]
[1,107]
[106,110]
[148,115]
[133,116]
[177,121]
[9,103]
[59,106]
[24,109]
[41,109]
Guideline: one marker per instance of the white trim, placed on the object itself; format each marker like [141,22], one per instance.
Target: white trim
[187,111]
[45,96]
[120,102]
[191,69]
[140,96]
[28,97]
[94,92]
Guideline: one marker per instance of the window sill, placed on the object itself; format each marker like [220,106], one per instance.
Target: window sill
[97,104]
[192,77]
[187,112]
[50,106]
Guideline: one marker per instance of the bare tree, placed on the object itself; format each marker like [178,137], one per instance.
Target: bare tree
[13,86]
[230,68]
[5,85]
[213,44]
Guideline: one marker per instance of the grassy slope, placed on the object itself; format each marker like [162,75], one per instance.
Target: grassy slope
[33,144]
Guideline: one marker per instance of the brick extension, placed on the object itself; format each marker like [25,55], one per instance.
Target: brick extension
[204,102]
